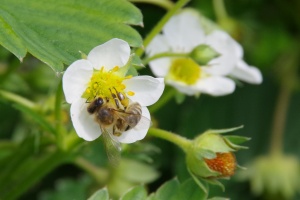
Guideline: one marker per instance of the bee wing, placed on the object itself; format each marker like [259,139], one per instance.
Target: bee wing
[144,121]
[112,147]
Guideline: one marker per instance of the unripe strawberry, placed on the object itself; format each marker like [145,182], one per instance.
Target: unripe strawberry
[224,163]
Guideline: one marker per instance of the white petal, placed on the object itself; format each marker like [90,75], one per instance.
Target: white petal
[84,123]
[146,88]
[139,131]
[247,73]
[75,79]
[113,53]
[183,88]
[159,67]
[216,85]
[229,50]
[159,44]
[184,32]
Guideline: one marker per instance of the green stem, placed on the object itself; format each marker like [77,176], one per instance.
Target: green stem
[182,142]
[162,3]
[17,99]
[164,54]
[279,119]
[101,175]
[139,52]
[166,97]
[220,9]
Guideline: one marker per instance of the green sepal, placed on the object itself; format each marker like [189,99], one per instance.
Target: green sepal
[137,62]
[124,70]
[215,182]
[201,185]
[232,141]
[212,141]
[83,55]
[226,130]
[204,153]
[198,166]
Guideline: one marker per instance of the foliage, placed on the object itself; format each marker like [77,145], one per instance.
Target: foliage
[41,156]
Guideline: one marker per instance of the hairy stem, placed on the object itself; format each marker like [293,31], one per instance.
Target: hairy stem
[220,9]
[180,141]
[164,54]
[280,119]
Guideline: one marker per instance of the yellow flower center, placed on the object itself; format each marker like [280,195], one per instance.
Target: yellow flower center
[104,83]
[184,70]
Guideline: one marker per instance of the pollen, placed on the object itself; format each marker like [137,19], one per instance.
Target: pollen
[184,70]
[130,93]
[103,82]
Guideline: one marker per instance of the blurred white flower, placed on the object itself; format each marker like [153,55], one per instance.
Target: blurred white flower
[182,34]
[86,79]
[230,62]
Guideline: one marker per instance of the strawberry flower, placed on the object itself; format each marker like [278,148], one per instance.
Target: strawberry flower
[105,70]
[183,34]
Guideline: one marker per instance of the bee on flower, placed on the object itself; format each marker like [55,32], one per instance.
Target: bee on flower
[106,101]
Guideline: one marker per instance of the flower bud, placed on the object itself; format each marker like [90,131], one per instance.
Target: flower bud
[275,176]
[203,53]
[210,155]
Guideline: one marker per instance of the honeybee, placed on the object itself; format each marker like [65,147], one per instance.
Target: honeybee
[115,115]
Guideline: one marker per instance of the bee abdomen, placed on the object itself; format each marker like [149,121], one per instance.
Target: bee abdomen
[135,109]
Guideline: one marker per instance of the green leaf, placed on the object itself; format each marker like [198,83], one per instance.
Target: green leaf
[38,118]
[55,31]
[167,190]
[136,193]
[189,190]
[101,194]
[67,189]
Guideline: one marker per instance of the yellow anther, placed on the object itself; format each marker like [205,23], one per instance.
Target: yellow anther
[130,93]
[116,68]
[122,86]
[95,85]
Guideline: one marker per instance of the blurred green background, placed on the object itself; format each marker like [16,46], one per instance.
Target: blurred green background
[269,33]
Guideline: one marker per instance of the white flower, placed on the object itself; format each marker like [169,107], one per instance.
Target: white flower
[230,62]
[181,34]
[95,76]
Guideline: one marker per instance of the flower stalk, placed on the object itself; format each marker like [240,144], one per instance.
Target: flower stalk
[280,120]
[182,142]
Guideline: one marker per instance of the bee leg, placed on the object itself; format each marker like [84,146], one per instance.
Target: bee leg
[115,132]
